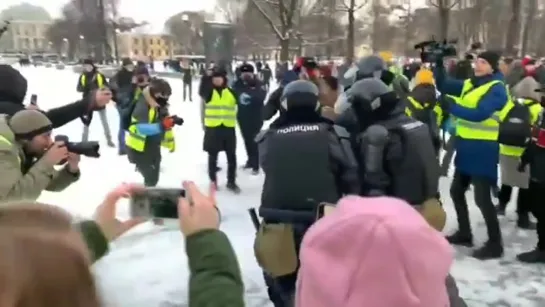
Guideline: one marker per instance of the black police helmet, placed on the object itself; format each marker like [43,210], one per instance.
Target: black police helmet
[300,94]
[368,67]
[369,94]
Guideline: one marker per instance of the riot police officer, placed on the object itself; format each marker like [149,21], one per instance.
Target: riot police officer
[306,160]
[397,157]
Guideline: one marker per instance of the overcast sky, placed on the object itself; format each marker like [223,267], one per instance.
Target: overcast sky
[154,11]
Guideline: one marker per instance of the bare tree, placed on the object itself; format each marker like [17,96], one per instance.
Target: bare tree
[283,16]
[232,10]
[513,30]
[443,9]
[531,9]
[351,7]
[186,29]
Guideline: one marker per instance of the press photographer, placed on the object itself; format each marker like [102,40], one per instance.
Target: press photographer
[476,103]
[28,156]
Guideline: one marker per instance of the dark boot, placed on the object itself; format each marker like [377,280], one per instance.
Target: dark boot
[524,222]
[233,187]
[462,239]
[535,256]
[490,250]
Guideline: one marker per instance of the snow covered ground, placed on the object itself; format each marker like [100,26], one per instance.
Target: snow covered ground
[147,267]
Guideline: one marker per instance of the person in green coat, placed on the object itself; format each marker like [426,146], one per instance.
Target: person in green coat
[215,279]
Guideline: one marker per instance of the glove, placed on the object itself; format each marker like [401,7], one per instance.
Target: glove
[168,123]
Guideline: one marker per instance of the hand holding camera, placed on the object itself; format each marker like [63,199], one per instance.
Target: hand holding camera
[170,121]
[56,154]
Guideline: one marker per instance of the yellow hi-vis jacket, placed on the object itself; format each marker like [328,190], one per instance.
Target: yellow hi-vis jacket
[486,130]
[99,79]
[415,106]
[221,110]
[535,109]
[137,141]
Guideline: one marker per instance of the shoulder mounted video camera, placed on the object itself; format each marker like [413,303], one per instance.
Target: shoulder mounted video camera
[432,50]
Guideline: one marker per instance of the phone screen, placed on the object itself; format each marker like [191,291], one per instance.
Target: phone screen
[33,99]
[156,203]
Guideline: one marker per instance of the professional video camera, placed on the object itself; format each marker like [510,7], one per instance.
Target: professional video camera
[88,149]
[431,50]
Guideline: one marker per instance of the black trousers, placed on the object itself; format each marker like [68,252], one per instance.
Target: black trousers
[148,165]
[249,134]
[523,202]
[231,166]
[537,207]
[188,87]
[483,200]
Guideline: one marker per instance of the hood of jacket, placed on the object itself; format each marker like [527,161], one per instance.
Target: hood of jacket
[13,86]
[372,244]
[526,88]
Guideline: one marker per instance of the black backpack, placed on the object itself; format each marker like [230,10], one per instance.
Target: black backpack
[515,129]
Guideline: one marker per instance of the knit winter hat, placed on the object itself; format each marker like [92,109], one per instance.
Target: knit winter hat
[492,57]
[373,252]
[424,76]
[13,85]
[27,124]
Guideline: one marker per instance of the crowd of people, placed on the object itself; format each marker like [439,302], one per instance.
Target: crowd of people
[354,156]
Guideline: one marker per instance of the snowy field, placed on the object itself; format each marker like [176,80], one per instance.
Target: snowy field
[147,267]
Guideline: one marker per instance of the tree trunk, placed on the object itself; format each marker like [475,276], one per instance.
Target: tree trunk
[513,29]
[444,15]
[528,24]
[350,36]
[284,50]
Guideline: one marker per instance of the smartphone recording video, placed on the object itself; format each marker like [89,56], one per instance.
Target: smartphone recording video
[34,99]
[156,203]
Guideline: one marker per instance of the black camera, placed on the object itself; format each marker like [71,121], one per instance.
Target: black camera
[88,149]
[432,50]
[178,121]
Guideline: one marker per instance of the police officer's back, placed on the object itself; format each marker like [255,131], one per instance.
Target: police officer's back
[305,158]
[397,157]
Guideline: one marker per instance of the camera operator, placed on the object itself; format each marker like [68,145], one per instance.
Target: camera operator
[13,89]
[476,104]
[28,156]
[150,128]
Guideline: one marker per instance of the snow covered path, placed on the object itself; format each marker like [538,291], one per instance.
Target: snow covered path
[147,267]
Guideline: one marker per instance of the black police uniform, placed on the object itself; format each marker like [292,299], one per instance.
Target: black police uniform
[306,160]
[396,152]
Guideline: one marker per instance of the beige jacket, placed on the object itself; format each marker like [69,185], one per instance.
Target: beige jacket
[16,185]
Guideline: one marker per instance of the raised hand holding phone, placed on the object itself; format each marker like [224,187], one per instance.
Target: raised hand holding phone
[197,211]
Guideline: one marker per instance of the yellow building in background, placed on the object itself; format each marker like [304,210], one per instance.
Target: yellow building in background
[138,45]
[26,36]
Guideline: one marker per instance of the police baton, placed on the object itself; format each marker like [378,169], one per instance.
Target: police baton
[255,219]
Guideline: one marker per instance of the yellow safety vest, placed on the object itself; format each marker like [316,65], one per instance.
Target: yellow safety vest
[486,130]
[535,109]
[137,142]
[415,105]
[221,110]
[99,78]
